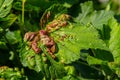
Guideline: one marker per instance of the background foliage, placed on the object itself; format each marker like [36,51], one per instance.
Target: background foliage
[87,39]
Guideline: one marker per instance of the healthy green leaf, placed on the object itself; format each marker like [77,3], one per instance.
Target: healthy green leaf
[13,37]
[70,70]
[5,7]
[115,40]
[86,9]
[7,73]
[114,45]
[8,21]
[104,64]
[94,61]
[97,18]
[57,70]
[115,67]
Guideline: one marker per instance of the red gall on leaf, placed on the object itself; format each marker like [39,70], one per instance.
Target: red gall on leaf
[34,46]
[29,36]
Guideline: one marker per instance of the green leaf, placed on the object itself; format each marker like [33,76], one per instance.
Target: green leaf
[5,7]
[94,61]
[70,70]
[57,70]
[86,9]
[114,45]
[115,40]
[11,74]
[96,18]
[104,64]
[8,21]
[70,40]
[28,7]
[102,57]
[13,37]
[30,59]
[115,67]
[35,62]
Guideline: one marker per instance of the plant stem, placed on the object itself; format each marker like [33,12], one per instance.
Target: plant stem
[23,5]
[22,25]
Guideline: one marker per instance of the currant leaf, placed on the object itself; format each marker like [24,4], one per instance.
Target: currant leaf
[70,40]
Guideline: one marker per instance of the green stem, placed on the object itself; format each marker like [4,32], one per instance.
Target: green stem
[23,5]
[21,22]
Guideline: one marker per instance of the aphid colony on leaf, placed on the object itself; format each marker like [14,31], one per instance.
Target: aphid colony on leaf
[42,37]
